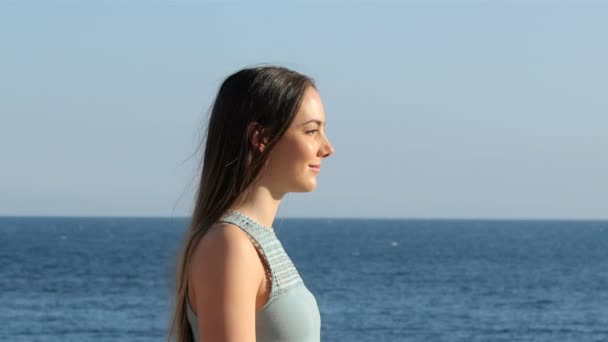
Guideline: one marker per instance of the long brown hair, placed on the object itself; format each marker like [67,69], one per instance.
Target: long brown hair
[267,97]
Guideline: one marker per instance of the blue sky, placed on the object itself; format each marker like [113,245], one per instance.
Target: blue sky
[472,109]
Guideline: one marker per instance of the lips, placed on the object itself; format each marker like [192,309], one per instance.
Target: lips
[315,166]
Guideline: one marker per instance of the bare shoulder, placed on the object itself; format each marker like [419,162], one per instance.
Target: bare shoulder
[225,256]
[224,277]
[223,243]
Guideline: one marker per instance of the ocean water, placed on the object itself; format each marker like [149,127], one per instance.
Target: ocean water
[108,279]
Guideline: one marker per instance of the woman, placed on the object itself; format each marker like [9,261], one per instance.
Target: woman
[235,282]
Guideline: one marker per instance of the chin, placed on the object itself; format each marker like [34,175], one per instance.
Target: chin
[311,187]
[307,187]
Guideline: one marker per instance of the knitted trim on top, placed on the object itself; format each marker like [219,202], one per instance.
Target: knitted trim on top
[282,271]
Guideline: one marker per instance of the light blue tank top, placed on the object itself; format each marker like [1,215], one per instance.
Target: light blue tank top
[291,313]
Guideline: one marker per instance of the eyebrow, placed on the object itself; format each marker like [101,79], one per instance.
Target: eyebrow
[318,122]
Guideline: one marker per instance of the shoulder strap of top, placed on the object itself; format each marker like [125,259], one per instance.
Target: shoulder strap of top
[282,270]
[262,235]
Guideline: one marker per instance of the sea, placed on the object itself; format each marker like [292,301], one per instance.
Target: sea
[110,279]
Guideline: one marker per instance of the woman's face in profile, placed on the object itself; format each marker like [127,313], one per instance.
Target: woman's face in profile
[295,161]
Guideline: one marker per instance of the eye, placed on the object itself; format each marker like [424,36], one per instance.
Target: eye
[312,131]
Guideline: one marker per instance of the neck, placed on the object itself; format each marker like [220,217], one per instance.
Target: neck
[259,203]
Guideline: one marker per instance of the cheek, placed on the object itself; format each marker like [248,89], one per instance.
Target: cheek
[305,151]
[294,153]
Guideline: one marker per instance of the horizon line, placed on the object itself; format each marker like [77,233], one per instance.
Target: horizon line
[392,218]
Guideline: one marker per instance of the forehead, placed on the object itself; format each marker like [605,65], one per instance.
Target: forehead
[311,108]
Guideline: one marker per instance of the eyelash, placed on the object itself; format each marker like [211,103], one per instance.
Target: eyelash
[312,131]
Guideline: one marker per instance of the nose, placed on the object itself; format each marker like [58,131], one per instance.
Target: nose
[327,149]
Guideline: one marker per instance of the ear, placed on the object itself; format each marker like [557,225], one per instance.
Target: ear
[255,132]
